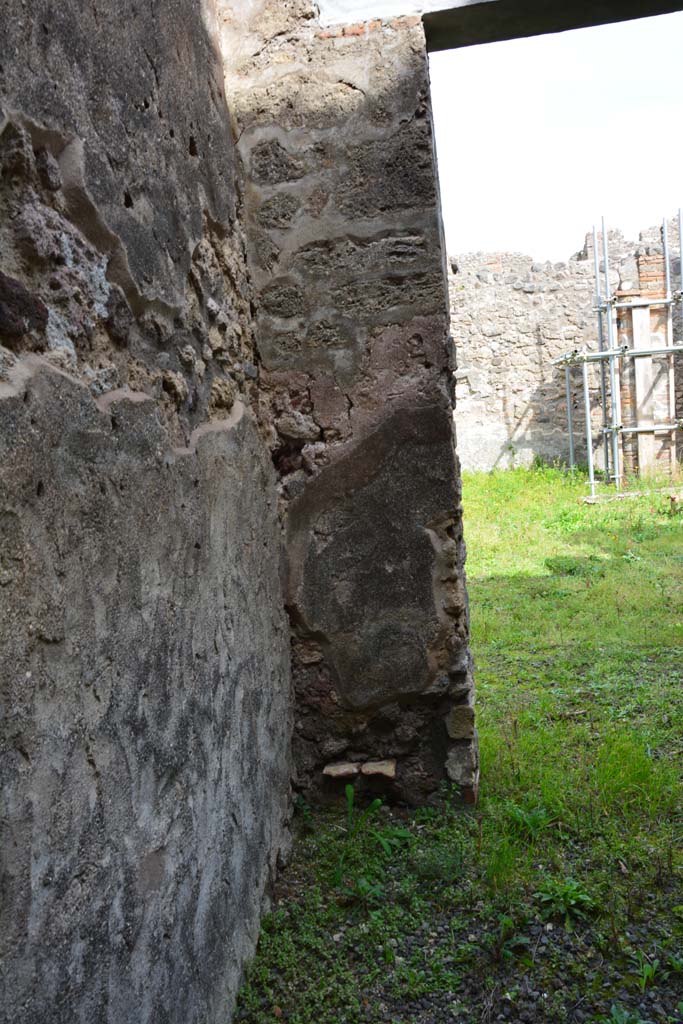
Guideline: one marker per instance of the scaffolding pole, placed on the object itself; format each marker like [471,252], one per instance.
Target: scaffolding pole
[601,346]
[610,358]
[589,430]
[579,356]
[570,416]
[670,338]
[613,382]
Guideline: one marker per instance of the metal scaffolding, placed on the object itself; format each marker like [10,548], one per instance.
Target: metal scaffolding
[611,359]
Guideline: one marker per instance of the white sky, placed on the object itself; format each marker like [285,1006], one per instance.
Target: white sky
[538,138]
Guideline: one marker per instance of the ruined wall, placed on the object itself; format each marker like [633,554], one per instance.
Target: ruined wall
[510,317]
[352,325]
[201,348]
[144,664]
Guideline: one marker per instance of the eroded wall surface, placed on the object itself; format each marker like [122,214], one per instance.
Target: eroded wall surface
[345,250]
[145,745]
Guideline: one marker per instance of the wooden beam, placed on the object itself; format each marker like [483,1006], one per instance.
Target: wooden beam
[495,20]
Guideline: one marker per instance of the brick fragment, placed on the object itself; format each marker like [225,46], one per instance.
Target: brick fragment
[358,29]
[407,21]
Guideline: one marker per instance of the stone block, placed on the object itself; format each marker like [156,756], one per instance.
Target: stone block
[298,100]
[390,299]
[271,164]
[354,258]
[387,768]
[460,722]
[342,770]
[283,298]
[391,174]
[278,211]
[462,765]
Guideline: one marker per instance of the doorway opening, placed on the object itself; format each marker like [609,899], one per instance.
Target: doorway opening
[543,146]
[575,607]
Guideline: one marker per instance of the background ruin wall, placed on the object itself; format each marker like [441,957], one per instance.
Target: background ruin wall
[510,317]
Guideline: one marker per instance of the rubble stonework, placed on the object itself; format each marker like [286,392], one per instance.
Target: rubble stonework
[510,317]
[145,648]
[342,218]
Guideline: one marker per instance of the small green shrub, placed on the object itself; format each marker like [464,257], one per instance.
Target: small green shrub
[506,943]
[646,970]
[565,898]
[529,822]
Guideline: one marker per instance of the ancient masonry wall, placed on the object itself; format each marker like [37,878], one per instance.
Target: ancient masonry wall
[510,317]
[144,654]
[345,250]
[206,348]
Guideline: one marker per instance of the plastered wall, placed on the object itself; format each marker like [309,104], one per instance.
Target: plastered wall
[144,648]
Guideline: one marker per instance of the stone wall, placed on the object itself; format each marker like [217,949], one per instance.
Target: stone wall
[510,317]
[144,669]
[203,348]
[345,251]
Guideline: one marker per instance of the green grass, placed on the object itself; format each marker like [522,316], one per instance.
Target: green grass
[566,880]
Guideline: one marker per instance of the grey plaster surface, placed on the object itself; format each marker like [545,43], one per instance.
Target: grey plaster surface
[145,706]
[374,594]
[144,651]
